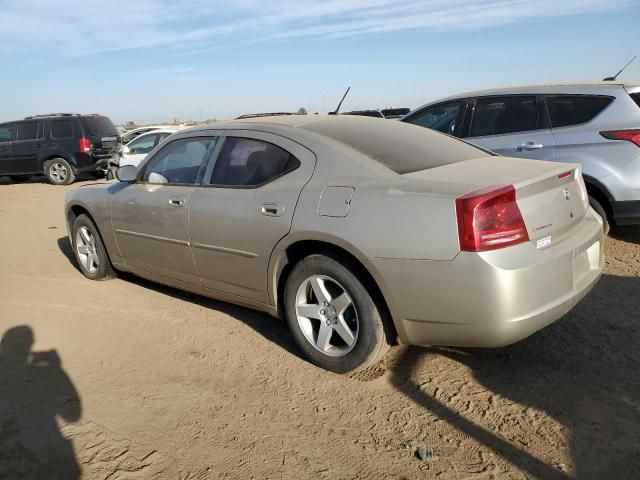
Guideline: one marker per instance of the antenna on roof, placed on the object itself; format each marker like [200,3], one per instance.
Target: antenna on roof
[340,104]
[613,79]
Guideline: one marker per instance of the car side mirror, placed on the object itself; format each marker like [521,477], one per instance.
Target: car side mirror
[127,173]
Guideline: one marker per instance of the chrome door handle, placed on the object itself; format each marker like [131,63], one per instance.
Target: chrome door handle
[272,209]
[176,202]
[529,146]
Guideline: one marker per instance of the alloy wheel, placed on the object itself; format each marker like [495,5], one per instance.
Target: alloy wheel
[58,172]
[327,315]
[86,248]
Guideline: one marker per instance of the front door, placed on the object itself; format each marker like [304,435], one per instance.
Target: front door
[151,217]
[512,126]
[244,207]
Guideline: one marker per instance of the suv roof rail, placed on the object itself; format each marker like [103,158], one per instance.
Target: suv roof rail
[53,115]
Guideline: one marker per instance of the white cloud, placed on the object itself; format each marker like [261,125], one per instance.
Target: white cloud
[86,28]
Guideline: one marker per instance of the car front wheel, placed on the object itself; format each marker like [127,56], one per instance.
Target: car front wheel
[90,253]
[332,316]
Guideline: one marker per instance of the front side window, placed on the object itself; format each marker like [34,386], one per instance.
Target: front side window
[6,133]
[566,110]
[27,131]
[247,162]
[505,115]
[440,117]
[179,162]
[143,145]
[61,129]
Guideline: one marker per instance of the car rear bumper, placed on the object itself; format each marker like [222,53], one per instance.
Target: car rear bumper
[492,299]
[626,212]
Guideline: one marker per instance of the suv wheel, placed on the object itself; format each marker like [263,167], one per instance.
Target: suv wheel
[597,206]
[332,317]
[59,172]
[90,253]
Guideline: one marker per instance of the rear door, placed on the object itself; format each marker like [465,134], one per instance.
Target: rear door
[244,207]
[512,126]
[6,141]
[29,140]
[151,217]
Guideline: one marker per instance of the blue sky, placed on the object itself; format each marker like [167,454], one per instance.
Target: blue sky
[152,60]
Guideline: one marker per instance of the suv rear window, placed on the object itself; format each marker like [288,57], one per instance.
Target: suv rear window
[636,98]
[567,110]
[99,126]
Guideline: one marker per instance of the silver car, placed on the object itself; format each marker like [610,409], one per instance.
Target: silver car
[595,124]
[359,233]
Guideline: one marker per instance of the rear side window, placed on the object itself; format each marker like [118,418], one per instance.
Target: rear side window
[99,127]
[505,115]
[27,131]
[61,129]
[439,117]
[249,163]
[636,98]
[567,110]
[6,133]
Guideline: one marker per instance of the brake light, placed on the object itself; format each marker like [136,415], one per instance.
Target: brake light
[85,145]
[632,135]
[489,219]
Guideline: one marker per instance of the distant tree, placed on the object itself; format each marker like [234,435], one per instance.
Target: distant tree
[302,111]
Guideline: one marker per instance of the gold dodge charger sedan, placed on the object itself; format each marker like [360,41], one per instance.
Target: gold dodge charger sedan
[358,232]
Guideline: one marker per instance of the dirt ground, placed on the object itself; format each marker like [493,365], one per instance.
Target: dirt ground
[125,379]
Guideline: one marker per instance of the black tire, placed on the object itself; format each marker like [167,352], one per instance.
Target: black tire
[370,344]
[103,269]
[597,206]
[19,178]
[54,168]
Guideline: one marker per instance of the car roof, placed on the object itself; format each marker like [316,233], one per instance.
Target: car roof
[400,146]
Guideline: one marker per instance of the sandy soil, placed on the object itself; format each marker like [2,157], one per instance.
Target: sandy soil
[127,379]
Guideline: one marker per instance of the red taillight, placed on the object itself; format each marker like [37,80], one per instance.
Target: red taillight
[632,136]
[85,145]
[489,219]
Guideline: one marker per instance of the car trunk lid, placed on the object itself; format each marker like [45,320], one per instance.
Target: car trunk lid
[551,196]
[102,133]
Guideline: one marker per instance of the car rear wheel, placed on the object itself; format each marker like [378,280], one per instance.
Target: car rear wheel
[20,178]
[59,172]
[332,316]
[90,253]
[597,206]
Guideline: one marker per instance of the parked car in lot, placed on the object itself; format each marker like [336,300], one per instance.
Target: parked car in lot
[59,145]
[134,133]
[135,151]
[355,231]
[594,124]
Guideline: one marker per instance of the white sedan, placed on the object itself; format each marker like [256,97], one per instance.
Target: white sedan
[135,151]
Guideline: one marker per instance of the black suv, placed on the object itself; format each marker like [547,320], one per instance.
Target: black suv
[59,145]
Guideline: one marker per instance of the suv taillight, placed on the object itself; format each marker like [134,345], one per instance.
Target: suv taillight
[85,145]
[489,219]
[632,135]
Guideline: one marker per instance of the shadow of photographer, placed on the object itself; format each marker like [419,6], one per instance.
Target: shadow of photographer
[35,391]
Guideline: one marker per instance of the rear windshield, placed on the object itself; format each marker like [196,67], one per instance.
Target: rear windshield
[636,98]
[401,147]
[100,126]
